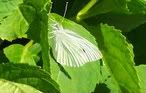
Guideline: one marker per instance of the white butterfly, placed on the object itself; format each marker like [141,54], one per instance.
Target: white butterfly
[71,49]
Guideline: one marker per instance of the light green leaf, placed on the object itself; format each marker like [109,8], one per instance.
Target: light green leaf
[76,80]
[118,57]
[73,80]
[141,71]
[8,6]
[29,75]
[12,87]
[12,23]
[17,53]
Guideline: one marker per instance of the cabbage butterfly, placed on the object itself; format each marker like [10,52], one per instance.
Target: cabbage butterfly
[70,48]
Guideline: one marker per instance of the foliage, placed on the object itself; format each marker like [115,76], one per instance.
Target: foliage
[116,27]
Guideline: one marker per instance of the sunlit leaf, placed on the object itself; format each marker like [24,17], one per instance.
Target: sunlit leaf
[24,54]
[8,6]
[141,70]
[12,87]
[119,58]
[12,23]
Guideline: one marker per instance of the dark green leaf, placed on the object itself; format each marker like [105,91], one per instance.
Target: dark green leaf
[122,21]
[137,6]
[21,72]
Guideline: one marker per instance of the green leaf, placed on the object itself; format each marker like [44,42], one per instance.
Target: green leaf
[36,77]
[12,87]
[38,30]
[111,6]
[111,83]
[44,41]
[141,70]
[31,11]
[137,6]
[39,5]
[12,23]
[35,30]
[28,12]
[122,21]
[7,7]
[82,79]
[118,57]
[101,7]
[17,53]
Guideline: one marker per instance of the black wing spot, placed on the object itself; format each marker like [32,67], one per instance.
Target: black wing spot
[84,50]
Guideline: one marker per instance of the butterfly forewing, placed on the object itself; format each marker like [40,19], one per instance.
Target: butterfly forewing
[72,49]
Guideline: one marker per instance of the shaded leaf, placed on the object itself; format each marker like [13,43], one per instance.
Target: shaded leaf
[38,30]
[3,58]
[35,30]
[39,5]
[35,76]
[101,7]
[28,12]
[137,38]
[44,41]
[137,6]
[112,6]
[122,21]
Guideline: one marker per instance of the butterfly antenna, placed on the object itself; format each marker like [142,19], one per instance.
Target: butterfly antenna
[65,11]
[50,7]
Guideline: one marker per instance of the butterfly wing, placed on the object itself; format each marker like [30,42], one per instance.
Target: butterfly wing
[73,50]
